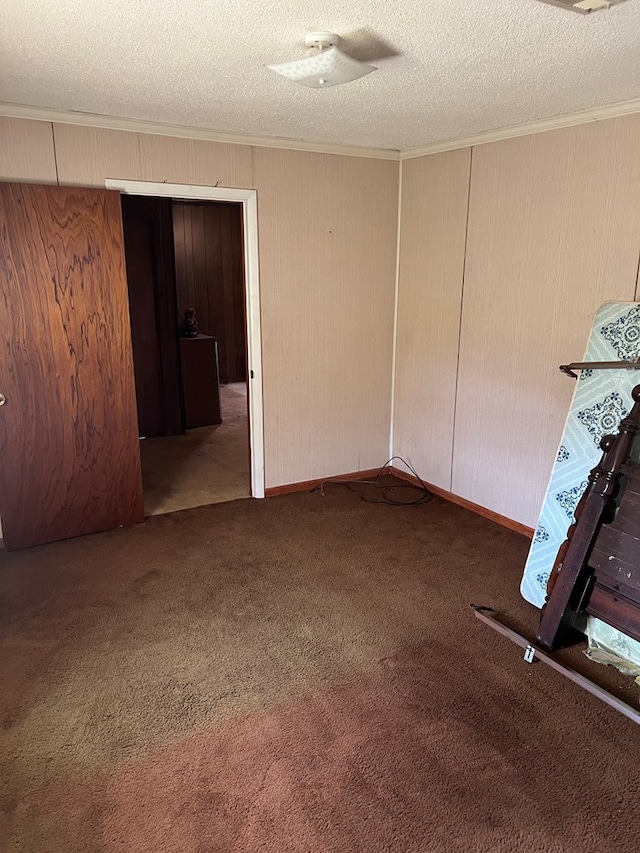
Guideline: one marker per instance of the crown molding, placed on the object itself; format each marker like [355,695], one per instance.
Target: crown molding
[137,126]
[556,123]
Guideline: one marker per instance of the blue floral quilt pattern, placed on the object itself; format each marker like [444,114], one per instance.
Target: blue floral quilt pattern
[601,399]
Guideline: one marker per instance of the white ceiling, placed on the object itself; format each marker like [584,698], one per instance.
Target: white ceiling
[461,66]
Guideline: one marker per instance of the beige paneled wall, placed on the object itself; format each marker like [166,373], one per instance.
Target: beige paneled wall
[193,161]
[554,231]
[327,254]
[26,151]
[88,155]
[435,191]
[327,230]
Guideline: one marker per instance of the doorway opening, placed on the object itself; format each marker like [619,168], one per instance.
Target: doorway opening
[192,274]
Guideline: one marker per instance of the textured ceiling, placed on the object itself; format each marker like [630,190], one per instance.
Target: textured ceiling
[447,68]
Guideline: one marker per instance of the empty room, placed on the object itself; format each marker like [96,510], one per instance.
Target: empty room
[319,416]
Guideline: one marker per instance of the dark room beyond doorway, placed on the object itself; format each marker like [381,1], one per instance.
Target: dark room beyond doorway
[191,384]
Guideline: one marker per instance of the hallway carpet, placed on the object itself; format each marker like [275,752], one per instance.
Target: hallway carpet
[296,675]
[205,465]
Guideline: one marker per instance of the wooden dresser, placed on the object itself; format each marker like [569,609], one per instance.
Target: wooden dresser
[201,386]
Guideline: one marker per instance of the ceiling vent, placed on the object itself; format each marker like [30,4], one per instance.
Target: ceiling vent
[584,7]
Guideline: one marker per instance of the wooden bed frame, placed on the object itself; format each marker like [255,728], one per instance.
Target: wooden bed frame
[597,570]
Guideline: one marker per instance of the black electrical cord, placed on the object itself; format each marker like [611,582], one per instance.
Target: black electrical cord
[387,491]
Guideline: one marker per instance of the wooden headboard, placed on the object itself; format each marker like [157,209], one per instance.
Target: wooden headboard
[597,570]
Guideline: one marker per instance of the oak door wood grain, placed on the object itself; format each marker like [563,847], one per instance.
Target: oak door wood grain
[69,451]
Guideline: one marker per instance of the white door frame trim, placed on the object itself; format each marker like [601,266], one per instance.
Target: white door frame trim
[249,201]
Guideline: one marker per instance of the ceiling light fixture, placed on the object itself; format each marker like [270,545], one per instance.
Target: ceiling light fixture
[324,65]
[584,7]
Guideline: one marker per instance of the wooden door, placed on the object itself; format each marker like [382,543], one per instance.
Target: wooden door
[153,307]
[69,452]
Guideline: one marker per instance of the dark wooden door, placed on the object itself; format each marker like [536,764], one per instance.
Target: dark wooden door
[69,451]
[210,277]
[153,305]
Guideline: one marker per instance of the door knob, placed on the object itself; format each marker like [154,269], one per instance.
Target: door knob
[3,399]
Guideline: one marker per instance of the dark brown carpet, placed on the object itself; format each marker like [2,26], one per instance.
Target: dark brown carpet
[297,675]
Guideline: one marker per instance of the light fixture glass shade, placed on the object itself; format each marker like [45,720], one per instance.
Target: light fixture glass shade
[329,67]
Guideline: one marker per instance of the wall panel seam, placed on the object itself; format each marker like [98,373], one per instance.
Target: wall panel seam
[464,271]
[394,350]
[139,149]
[55,152]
